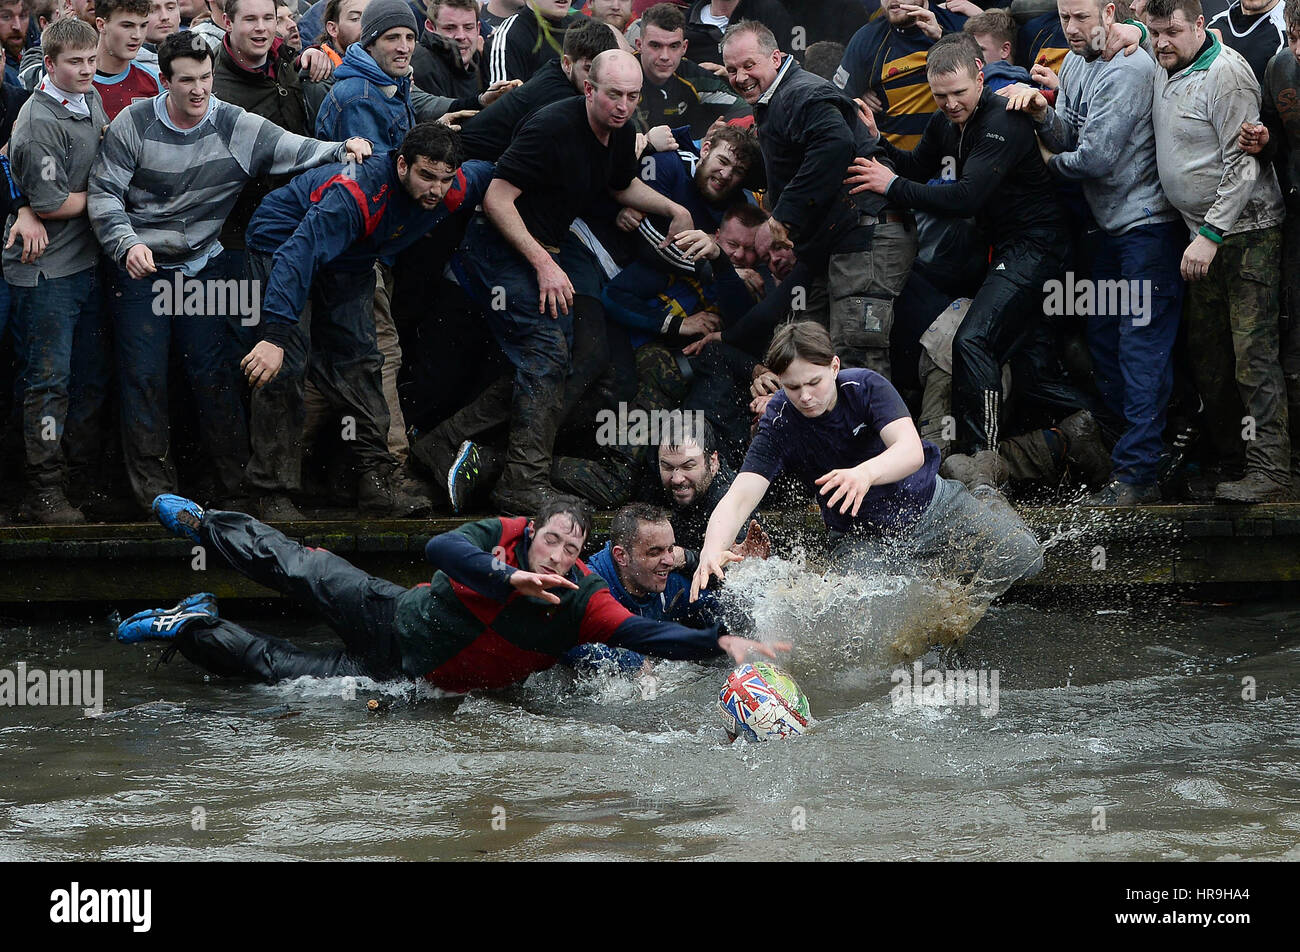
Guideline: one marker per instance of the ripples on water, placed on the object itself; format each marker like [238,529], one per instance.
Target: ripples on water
[1133,707]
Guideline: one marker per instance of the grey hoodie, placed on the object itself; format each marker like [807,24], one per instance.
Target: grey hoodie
[1102,128]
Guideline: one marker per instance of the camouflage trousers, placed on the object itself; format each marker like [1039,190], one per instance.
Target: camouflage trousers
[1233,342]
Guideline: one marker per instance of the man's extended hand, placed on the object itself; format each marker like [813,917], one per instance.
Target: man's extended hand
[316,63]
[868,175]
[555,290]
[701,322]
[764,383]
[696,244]
[712,565]
[661,139]
[139,261]
[697,346]
[452,120]
[534,585]
[678,225]
[358,149]
[756,543]
[29,227]
[261,364]
[923,19]
[1197,258]
[497,90]
[1024,98]
[741,649]
[867,116]
[1044,76]
[1253,138]
[851,485]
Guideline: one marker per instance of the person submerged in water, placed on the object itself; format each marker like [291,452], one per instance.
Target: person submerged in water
[509,597]
[848,437]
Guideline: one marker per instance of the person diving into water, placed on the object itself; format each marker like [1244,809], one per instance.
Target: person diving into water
[509,597]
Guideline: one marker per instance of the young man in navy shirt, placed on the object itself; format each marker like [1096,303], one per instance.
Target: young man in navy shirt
[847,436]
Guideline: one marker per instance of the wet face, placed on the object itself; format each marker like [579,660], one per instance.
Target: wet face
[459,26]
[74,70]
[644,569]
[686,473]
[347,29]
[123,35]
[719,172]
[190,87]
[779,261]
[1085,25]
[252,30]
[661,52]
[164,18]
[427,182]
[1176,40]
[13,28]
[392,51]
[286,27]
[739,243]
[555,547]
[750,70]
[957,94]
[810,387]
[612,102]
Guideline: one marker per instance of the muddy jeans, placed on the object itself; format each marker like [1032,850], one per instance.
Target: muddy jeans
[1233,342]
[980,538]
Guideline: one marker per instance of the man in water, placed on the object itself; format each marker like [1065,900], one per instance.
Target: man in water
[507,599]
[847,436]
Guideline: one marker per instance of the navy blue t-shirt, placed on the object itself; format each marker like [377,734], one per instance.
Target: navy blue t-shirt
[846,436]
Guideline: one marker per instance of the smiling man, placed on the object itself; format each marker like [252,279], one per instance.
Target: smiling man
[676,91]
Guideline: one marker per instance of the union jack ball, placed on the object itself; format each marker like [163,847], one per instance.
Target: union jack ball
[761,702]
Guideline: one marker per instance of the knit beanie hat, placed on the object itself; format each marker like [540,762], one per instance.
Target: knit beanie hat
[384,15]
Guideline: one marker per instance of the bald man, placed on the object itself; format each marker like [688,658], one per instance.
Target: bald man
[560,161]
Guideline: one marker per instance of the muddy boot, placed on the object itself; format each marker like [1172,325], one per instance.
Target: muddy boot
[1121,494]
[276,507]
[534,422]
[1085,448]
[1255,487]
[379,493]
[49,507]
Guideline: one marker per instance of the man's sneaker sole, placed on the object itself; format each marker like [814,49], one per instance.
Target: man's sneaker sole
[163,624]
[178,515]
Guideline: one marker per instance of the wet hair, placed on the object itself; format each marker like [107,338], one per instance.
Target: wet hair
[626,525]
[104,9]
[766,40]
[1165,9]
[823,58]
[684,428]
[434,141]
[182,45]
[588,39]
[801,340]
[954,53]
[750,216]
[570,506]
[742,141]
[998,23]
[666,16]
[69,33]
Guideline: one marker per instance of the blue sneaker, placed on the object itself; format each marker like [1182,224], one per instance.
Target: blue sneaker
[179,516]
[163,624]
[462,476]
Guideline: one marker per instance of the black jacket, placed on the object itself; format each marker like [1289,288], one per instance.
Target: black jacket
[519,47]
[277,96]
[1001,180]
[487,135]
[438,69]
[703,38]
[810,132]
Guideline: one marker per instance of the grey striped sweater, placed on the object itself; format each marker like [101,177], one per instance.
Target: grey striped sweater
[172,189]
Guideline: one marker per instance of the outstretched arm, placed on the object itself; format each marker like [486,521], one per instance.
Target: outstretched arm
[733,509]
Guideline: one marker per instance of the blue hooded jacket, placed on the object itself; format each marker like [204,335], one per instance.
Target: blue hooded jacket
[346,216]
[1000,74]
[357,106]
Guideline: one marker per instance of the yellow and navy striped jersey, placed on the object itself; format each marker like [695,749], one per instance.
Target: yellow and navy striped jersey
[1041,40]
[891,62]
